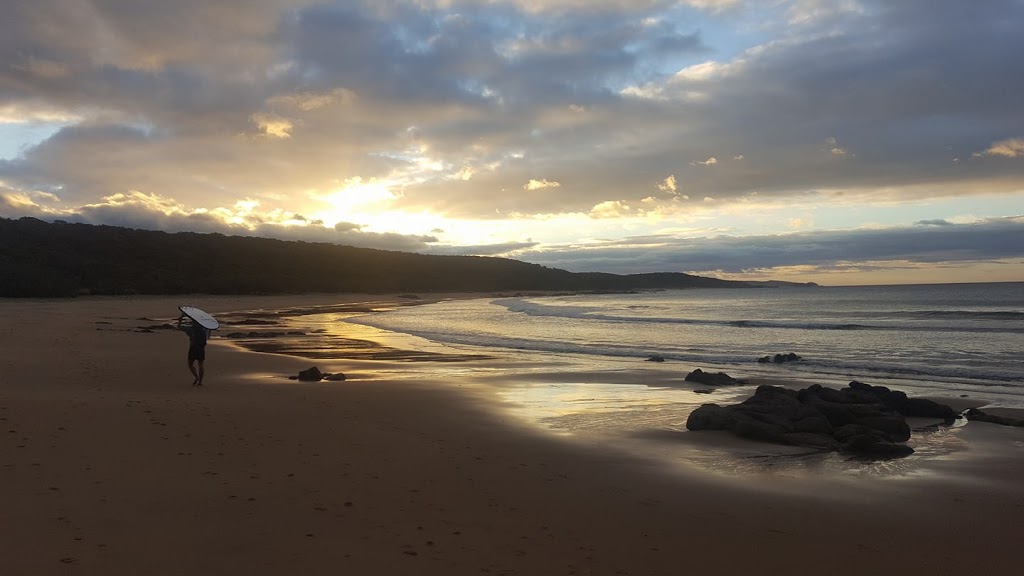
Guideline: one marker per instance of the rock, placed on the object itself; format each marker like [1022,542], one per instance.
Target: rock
[844,433]
[336,377]
[779,358]
[312,374]
[758,430]
[711,417]
[924,408]
[656,359]
[872,444]
[704,391]
[854,419]
[894,399]
[811,440]
[975,415]
[898,401]
[716,379]
[892,425]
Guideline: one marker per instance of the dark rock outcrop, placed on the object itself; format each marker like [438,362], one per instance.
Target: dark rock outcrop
[312,374]
[975,415]
[914,407]
[856,419]
[712,379]
[656,359]
[335,377]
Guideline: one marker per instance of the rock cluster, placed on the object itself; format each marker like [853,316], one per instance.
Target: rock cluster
[861,419]
[712,379]
[779,358]
[313,374]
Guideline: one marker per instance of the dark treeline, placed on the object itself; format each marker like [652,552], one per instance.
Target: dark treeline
[38,259]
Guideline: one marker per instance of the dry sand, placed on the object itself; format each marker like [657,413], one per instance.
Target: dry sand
[111,463]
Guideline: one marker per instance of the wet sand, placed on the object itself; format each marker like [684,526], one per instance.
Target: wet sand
[111,463]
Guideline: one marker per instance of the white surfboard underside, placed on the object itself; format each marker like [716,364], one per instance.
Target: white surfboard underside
[203,318]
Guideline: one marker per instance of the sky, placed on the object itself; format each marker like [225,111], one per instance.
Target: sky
[840,142]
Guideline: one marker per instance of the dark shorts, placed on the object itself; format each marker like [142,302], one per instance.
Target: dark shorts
[195,353]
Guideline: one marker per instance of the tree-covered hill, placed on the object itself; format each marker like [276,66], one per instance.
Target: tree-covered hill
[59,259]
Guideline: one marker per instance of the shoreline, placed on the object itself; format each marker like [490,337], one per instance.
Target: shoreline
[115,465]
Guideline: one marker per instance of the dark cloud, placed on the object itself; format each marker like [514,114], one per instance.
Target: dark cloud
[503,249]
[347,227]
[991,240]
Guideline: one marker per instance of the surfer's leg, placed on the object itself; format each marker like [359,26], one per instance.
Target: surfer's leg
[199,377]
[192,369]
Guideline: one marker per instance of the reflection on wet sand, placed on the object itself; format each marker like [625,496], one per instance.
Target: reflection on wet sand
[319,332]
[650,422]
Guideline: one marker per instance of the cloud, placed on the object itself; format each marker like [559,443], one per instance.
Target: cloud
[400,90]
[985,241]
[938,222]
[273,125]
[36,112]
[347,227]
[1010,148]
[611,209]
[540,184]
[834,148]
[507,249]
[668,184]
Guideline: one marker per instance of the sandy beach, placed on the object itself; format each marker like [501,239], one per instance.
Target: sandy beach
[111,463]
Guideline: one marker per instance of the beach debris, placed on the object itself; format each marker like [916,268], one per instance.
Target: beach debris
[975,415]
[712,379]
[860,419]
[779,358]
[656,358]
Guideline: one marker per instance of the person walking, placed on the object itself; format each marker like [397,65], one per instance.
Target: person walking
[197,336]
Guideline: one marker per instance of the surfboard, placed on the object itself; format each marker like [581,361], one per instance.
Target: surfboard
[201,317]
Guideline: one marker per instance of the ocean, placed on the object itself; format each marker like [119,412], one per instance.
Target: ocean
[945,340]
